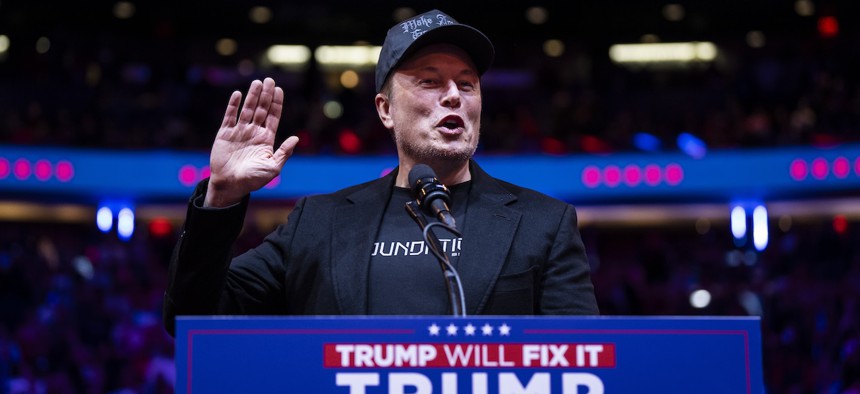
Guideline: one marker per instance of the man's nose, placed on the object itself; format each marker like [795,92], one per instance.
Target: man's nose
[451,95]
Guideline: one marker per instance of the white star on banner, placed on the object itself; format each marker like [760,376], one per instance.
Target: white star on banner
[452,329]
[487,329]
[434,329]
[469,329]
[504,329]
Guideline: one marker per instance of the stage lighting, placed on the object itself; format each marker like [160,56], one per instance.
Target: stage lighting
[692,145]
[357,56]
[700,298]
[288,55]
[646,142]
[760,234]
[682,52]
[739,224]
[104,219]
[4,43]
[125,223]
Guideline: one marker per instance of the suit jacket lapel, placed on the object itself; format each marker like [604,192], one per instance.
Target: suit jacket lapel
[356,225]
[487,238]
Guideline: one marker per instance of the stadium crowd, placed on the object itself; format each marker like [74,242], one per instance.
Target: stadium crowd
[81,309]
[786,93]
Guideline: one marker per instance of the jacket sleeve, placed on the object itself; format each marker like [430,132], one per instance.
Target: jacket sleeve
[566,279]
[200,258]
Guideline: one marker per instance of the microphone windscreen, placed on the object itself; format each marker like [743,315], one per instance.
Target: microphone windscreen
[420,171]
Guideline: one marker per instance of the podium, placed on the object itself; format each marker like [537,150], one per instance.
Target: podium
[475,354]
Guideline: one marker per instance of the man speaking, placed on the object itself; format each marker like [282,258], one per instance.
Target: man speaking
[356,251]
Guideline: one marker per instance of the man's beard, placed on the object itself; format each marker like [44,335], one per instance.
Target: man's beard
[425,153]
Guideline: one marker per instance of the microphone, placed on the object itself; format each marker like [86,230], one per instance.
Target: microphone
[432,196]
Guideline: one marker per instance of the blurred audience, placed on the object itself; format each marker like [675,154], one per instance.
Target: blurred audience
[81,309]
[796,92]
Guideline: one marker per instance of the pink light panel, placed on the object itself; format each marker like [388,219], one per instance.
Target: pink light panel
[632,175]
[42,170]
[190,175]
[22,169]
[821,168]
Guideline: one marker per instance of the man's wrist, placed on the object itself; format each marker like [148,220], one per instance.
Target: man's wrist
[219,197]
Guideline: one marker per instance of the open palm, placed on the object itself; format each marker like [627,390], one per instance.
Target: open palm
[243,158]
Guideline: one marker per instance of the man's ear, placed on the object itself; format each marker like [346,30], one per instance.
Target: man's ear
[383,108]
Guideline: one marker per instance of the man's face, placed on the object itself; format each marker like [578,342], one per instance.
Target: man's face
[434,108]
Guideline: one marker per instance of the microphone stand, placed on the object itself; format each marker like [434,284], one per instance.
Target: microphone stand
[452,279]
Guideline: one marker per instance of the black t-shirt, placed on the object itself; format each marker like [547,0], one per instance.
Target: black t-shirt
[405,277]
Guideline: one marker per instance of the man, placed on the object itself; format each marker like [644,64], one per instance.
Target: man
[356,251]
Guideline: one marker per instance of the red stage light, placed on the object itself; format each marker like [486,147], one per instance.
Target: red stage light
[349,141]
[160,227]
[552,146]
[840,224]
[592,144]
[828,26]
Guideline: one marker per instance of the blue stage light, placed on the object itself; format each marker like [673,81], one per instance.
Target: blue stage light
[646,142]
[692,145]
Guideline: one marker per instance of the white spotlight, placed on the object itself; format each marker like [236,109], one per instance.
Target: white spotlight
[125,223]
[683,52]
[288,54]
[104,219]
[700,298]
[358,56]
[760,227]
[739,222]
[4,43]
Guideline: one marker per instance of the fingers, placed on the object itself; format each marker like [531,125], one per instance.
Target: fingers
[258,104]
[264,102]
[274,115]
[232,110]
[251,101]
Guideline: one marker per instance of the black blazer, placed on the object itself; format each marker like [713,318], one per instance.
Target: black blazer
[522,254]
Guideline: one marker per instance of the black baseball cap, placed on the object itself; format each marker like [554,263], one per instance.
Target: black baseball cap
[432,27]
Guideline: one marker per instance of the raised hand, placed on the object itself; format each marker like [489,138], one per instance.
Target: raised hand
[243,158]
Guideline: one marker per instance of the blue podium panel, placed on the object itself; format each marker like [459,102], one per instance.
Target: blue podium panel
[479,355]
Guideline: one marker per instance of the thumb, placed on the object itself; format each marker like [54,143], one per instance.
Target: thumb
[285,150]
